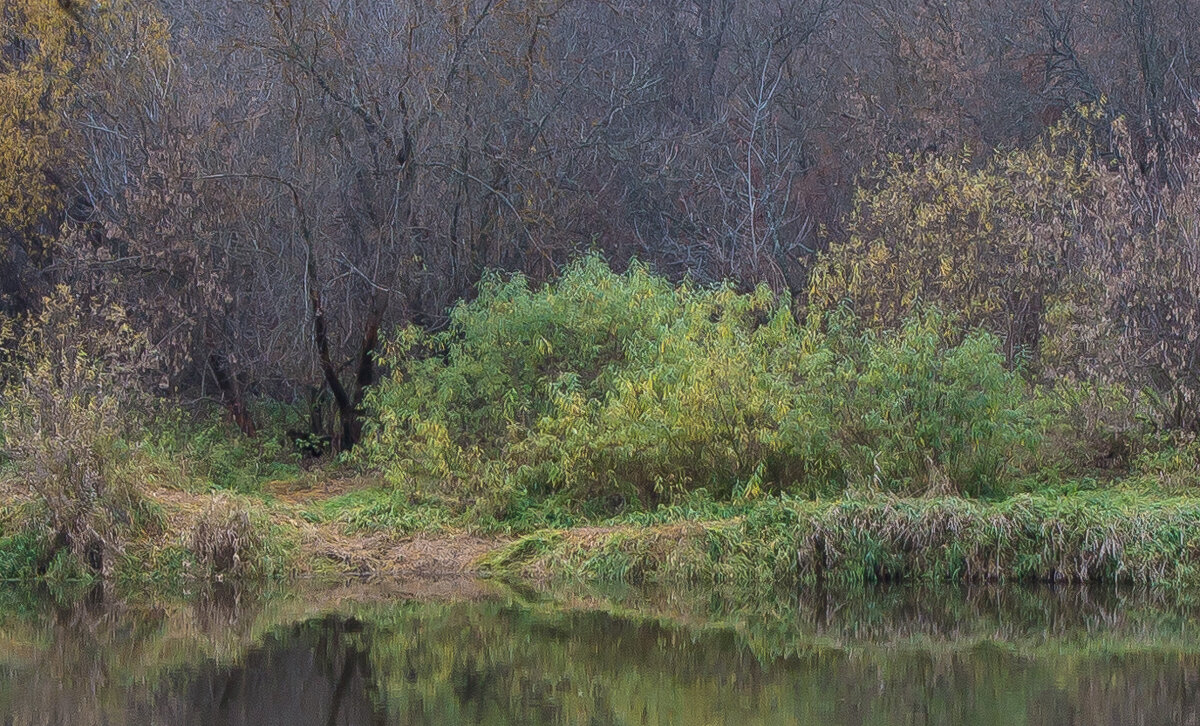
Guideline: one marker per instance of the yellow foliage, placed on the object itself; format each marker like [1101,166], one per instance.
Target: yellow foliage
[986,241]
[35,82]
[55,63]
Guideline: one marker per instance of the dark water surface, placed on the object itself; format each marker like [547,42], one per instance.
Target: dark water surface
[481,654]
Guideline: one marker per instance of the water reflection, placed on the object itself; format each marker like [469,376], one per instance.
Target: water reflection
[316,672]
[872,656]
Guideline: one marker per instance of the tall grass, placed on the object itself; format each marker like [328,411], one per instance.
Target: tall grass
[84,447]
[1087,536]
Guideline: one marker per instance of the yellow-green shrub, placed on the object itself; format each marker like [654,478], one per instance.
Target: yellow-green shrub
[989,240]
[627,388]
[1064,249]
[68,390]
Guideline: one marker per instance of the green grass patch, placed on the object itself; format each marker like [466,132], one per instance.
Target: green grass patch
[20,553]
[383,509]
[201,449]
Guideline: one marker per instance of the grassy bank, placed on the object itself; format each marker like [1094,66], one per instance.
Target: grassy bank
[313,526]
[1089,536]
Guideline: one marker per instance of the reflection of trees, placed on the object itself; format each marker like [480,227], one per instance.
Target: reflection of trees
[316,672]
[875,656]
[508,666]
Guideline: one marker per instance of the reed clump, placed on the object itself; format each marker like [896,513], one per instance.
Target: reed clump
[225,542]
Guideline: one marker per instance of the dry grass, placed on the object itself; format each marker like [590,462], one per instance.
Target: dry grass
[311,488]
[436,557]
[322,548]
[225,542]
[326,549]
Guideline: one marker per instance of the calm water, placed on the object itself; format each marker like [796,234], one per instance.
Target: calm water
[479,654]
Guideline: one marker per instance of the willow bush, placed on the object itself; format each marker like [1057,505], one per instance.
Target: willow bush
[1143,326]
[627,388]
[1062,249]
[66,415]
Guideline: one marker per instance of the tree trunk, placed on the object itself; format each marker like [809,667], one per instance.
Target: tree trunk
[231,394]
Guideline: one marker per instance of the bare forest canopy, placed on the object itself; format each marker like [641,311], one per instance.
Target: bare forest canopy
[262,188]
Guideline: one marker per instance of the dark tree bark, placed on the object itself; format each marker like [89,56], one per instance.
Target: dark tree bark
[231,394]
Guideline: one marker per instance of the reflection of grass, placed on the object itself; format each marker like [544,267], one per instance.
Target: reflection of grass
[1033,621]
[690,655]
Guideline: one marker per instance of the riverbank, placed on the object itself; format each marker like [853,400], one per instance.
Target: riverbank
[612,427]
[359,526]
[193,539]
[1114,536]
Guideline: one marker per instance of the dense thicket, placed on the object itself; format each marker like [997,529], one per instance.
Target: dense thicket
[624,386]
[263,187]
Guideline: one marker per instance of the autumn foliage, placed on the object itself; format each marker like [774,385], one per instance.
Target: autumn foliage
[268,190]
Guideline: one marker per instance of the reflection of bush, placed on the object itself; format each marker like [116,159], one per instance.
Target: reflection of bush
[677,657]
[780,662]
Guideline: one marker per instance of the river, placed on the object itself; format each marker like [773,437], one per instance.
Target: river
[468,652]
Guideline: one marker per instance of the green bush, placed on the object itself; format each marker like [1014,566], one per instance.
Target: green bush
[626,388]
[930,415]
[1093,428]
[20,552]
[1174,467]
